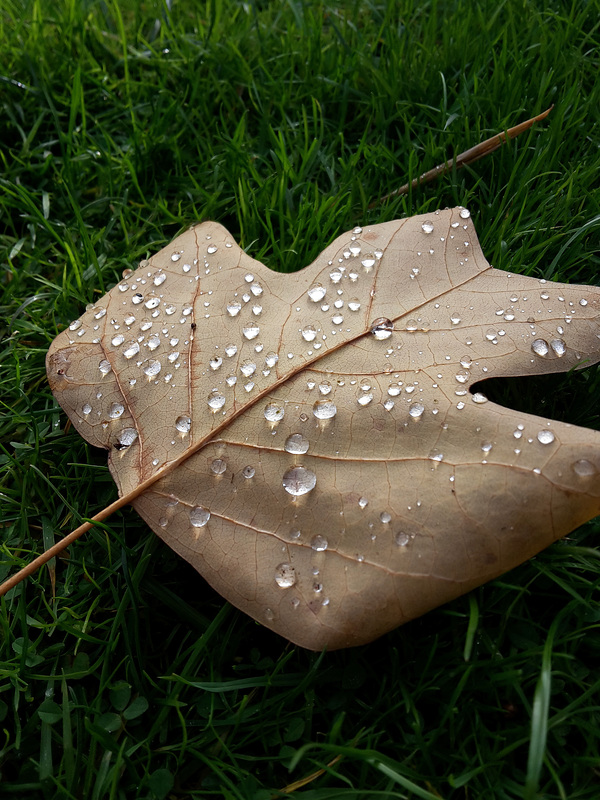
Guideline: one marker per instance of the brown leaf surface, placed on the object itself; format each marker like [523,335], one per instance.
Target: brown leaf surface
[331,482]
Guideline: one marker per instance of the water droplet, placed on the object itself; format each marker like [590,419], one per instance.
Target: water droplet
[152,302]
[324,409]
[129,320]
[173,356]
[335,276]
[436,455]
[368,261]
[285,575]
[230,350]
[137,299]
[296,443]
[478,397]
[416,410]
[382,328]
[271,359]
[274,412]
[216,400]
[309,333]
[559,347]
[75,325]
[212,248]
[159,278]
[131,350]
[87,409]
[583,302]
[234,308]
[248,472]
[401,539]
[540,347]
[231,380]
[385,517]
[337,319]
[545,437]
[153,342]
[462,376]
[427,227]
[250,331]
[117,340]
[127,437]
[104,367]
[354,304]
[486,447]
[199,516]
[215,362]
[218,466]
[466,362]
[584,468]
[394,389]
[464,213]
[152,369]
[145,325]
[411,325]
[175,256]
[183,423]
[299,480]
[317,292]
[455,318]
[364,399]
[257,310]
[319,543]
[248,368]
[388,405]
[100,312]
[116,410]
[187,310]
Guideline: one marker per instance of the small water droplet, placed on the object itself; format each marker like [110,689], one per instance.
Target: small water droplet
[285,575]
[218,466]
[427,227]
[137,299]
[152,302]
[153,342]
[401,539]
[100,312]
[274,412]
[173,356]
[215,362]
[583,302]
[117,340]
[478,397]
[388,405]
[462,376]
[183,423]
[385,517]
[145,325]
[75,325]
[116,410]
[416,410]
[212,248]
[234,308]
[199,516]
[545,437]
[364,399]
[363,502]
[540,347]
[152,369]
[319,543]
[87,409]
[309,333]
[248,368]
[248,472]
[466,362]
[324,409]
[368,261]
[296,443]
[455,318]
[104,367]
[175,257]
[230,350]
[216,400]
[382,328]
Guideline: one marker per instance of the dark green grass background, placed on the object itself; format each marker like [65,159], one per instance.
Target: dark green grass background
[121,124]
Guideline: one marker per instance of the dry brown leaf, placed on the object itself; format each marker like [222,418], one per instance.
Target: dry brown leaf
[309,442]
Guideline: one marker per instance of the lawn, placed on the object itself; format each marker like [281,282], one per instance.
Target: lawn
[122,674]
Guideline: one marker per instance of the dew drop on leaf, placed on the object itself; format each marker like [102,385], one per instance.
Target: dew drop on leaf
[285,576]
[127,437]
[584,468]
[218,466]
[248,472]
[153,368]
[131,350]
[427,227]
[116,410]
[416,410]
[250,331]
[216,400]
[296,443]
[324,409]
[233,309]
[299,480]
[382,328]
[545,437]
[199,516]
[104,366]
[274,412]
[540,347]
[183,423]
[319,543]
[559,348]
[309,333]
[317,292]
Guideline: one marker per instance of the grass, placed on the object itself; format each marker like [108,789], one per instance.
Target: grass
[122,675]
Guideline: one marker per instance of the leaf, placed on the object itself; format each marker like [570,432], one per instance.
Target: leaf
[309,442]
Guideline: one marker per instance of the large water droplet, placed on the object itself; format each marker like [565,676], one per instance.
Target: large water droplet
[385,517]
[274,412]
[416,410]
[152,302]
[427,227]
[540,347]
[215,362]
[183,423]
[401,539]
[104,367]
[309,333]
[364,399]
[285,575]
[584,468]
[117,340]
[559,347]
[87,409]
[545,437]
[199,516]
[325,387]
[75,325]
[160,278]
[248,472]
[271,359]
[216,400]
[248,368]
[317,292]
[464,213]
[234,308]
[382,328]
[153,342]
[131,350]
[363,502]
[324,409]
[127,437]
[137,299]
[319,543]
[296,443]
[299,480]
[455,318]
[152,369]
[218,466]
[116,410]
[478,397]
[230,350]
[354,304]
[251,331]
